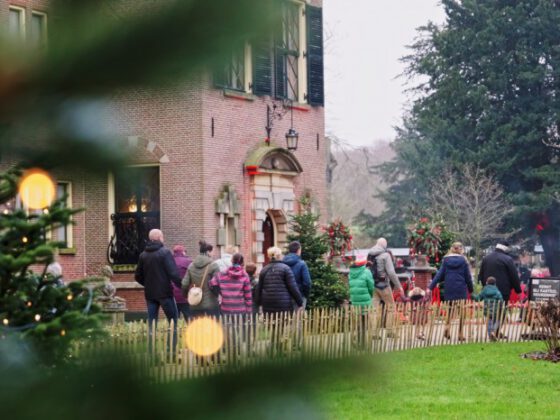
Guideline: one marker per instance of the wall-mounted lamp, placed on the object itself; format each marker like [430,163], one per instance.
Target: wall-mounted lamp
[292,135]
[273,113]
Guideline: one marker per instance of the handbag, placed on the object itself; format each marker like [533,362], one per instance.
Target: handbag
[194,297]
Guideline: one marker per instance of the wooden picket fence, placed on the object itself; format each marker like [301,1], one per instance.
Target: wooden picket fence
[325,333]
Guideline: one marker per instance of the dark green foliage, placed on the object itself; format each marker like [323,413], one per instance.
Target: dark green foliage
[33,304]
[113,387]
[489,97]
[327,287]
[390,227]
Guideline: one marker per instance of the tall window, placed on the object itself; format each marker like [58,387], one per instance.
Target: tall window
[16,23]
[38,29]
[235,73]
[137,211]
[288,52]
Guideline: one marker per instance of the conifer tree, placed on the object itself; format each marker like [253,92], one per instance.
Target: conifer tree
[487,96]
[35,305]
[327,287]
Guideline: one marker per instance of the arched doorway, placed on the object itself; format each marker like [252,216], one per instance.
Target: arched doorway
[272,171]
[268,237]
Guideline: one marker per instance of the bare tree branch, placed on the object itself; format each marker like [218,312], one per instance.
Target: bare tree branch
[472,203]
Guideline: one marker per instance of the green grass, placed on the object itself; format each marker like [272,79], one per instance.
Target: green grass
[468,381]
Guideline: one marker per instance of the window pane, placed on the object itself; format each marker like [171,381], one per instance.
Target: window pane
[137,190]
[288,52]
[235,69]
[15,25]
[37,31]
[292,77]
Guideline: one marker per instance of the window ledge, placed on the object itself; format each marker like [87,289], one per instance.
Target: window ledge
[67,251]
[299,106]
[236,94]
[126,285]
[124,268]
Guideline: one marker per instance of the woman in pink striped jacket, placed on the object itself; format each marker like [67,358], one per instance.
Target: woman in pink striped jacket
[234,288]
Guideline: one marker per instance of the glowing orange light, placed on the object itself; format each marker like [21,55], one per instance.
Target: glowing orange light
[204,336]
[37,189]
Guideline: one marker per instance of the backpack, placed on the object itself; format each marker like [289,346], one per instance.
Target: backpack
[380,283]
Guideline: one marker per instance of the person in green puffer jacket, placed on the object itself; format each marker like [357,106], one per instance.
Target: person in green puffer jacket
[361,285]
[361,282]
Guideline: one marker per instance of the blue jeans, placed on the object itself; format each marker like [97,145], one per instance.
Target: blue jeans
[493,325]
[170,310]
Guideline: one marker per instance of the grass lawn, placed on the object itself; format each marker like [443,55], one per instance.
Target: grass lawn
[467,381]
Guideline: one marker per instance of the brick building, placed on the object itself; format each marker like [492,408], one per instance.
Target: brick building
[209,158]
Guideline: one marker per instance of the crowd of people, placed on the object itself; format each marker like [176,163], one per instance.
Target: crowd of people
[371,276]
[204,286]
[225,285]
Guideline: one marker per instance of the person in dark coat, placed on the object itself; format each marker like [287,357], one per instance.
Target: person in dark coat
[500,265]
[277,286]
[251,270]
[455,274]
[182,261]
[300,270]
[155,271]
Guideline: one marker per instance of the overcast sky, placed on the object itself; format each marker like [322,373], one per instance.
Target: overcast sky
[364,41]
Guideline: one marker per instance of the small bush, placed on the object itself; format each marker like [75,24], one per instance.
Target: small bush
[549,317]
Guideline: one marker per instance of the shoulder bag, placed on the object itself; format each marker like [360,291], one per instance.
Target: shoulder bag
[194,297]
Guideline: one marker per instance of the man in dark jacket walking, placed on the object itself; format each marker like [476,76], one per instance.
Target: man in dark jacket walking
[500,265]
[277,286]
[155,271]
[300,270]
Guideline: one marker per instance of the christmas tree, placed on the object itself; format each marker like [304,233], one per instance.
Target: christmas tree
[35,305]
[327,288]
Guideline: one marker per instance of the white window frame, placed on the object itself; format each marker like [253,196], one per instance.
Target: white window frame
[248,68]
[69,227]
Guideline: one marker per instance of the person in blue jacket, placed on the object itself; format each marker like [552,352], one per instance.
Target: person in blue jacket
[300,270]
[455,274]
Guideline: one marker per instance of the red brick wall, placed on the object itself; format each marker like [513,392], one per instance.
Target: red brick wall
[178,120]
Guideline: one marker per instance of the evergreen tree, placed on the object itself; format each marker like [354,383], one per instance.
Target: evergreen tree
[33,304]
[490,97]
[327,287]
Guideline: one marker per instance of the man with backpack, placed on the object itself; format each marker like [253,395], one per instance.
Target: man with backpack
[380,263]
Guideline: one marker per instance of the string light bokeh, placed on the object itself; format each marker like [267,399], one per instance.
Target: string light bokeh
[37,189]
[204,336]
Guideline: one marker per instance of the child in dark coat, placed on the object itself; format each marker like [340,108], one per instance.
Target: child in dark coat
[493,304]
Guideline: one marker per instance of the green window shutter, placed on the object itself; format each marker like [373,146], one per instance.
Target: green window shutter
[315,72]
[262,68]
